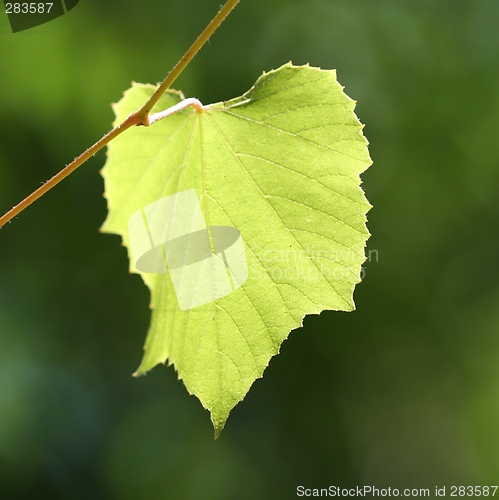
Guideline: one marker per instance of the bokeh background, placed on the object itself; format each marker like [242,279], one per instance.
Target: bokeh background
[402,393]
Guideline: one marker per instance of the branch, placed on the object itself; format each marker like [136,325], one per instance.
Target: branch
[143,112]
[140,117]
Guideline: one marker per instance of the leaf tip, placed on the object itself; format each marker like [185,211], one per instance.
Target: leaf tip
[218,419]
[218,430]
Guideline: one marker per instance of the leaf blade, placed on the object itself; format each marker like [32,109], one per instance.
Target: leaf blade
[282,165]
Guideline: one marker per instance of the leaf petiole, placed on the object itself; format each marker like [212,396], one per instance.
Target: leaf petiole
[195,103]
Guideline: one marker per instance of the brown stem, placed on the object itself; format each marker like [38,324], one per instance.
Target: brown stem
[140,117]
[143,112]
[129,122]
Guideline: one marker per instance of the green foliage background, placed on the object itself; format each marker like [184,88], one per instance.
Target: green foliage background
[404,392]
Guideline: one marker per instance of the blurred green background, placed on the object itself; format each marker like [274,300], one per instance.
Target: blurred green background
[402,393]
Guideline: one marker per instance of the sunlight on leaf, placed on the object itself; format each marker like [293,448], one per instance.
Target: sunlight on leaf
[251,216]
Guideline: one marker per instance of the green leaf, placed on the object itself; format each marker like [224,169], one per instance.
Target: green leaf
[281,165]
